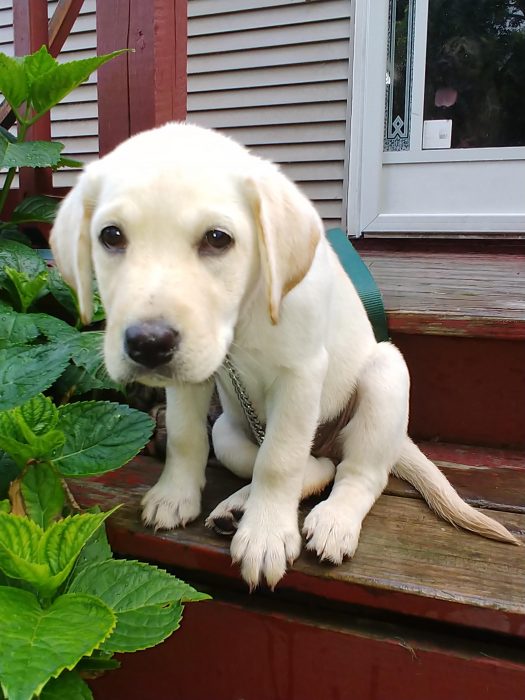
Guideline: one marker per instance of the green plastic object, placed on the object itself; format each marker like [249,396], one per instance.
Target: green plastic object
[362,280]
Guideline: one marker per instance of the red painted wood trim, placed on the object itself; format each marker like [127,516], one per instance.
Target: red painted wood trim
[61,23]
[152,547]
[231,650]
[418,323]
[30,33]
[147,87]
[112,78]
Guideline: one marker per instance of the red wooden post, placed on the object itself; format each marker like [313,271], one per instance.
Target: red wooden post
[30,33]
[147,87]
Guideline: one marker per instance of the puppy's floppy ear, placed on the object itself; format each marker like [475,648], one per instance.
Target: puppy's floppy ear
[289,229]
[70,241]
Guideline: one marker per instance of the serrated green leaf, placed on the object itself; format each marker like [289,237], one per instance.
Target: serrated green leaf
[19,540]
[22,328]
[20,257]
[38,208]
[19,441]
[24,290]
[68,686]
[31,154]
[11,232]
[16,329]
[96,550]
[47,90]
[62,543]
[66,296]
[38,64]
[20,452]
[87,349]
[54,329]
[146,600]
[65,162]
[76,381]
[43,494]
[87,354]
[38,644]
[95,664]
[25,372]
[13,83]
[40,414]
[63,293]
[5,506]
[100,436]
[44,558]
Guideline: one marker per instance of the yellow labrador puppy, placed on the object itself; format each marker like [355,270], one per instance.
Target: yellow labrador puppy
[201,251]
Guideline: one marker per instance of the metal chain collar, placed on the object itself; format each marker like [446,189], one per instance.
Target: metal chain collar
[246,405]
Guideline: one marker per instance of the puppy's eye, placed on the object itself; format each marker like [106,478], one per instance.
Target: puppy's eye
[215,241]
[113,239]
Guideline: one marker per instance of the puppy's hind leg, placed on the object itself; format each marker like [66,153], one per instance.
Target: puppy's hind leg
[238,453]
[372,443]
[233,448]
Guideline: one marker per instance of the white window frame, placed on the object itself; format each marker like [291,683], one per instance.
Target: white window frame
[367,174]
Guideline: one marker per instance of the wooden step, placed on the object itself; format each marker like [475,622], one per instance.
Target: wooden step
[459,319]
[422,610]
[409,561]
[475,295]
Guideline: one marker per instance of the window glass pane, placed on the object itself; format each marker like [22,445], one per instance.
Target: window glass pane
[399,75]
[475,71]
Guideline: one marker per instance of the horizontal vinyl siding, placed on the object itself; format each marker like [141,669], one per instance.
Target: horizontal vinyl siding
[274,76]
[74,122]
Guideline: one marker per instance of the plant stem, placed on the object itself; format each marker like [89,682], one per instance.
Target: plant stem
[22,130]
[5,189]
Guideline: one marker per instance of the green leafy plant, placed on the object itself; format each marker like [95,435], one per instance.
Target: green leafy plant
[32,85]
[66,606]
[60,588]
[42,348]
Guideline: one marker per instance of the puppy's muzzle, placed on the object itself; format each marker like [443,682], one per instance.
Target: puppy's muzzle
[151,343]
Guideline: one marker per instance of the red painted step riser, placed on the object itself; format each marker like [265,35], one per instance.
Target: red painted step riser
[243,653]
[466,390]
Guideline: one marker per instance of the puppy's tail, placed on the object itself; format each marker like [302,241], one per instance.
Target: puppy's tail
[423,474]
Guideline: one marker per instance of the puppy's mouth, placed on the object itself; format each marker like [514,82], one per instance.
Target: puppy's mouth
[165,375]
[158,376]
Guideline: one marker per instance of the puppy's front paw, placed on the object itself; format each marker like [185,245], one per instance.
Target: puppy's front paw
[332,532]
[266,542]
[170,504]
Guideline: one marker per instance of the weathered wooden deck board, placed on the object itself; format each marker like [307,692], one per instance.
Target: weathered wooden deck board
[481,295]
[409,561]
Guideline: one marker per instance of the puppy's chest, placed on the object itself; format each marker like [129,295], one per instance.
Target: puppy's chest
[252,378]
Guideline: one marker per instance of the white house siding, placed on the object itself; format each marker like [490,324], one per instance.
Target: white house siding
[74,122]
[274,76]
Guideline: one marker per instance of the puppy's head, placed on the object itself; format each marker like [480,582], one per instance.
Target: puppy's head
[182,226]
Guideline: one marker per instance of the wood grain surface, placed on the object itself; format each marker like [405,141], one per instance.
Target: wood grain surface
[408,561]
[476,294]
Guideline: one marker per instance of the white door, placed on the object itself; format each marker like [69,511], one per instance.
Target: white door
[438,118]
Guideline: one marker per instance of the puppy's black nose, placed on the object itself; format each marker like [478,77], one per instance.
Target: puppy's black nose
[151,343]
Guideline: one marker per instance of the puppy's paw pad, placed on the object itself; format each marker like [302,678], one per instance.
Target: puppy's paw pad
[225,524]
[166,509]
[225,518]
[332,533]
